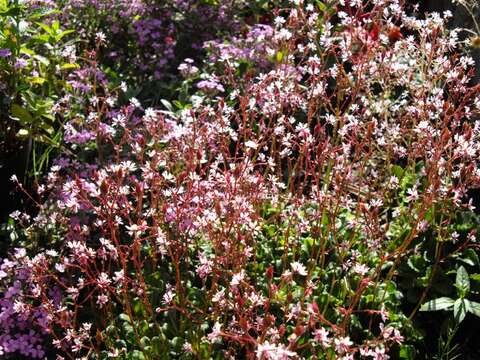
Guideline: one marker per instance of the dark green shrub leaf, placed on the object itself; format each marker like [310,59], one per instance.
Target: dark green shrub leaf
[462,282]
[473,307]
[459,310]
[442,303]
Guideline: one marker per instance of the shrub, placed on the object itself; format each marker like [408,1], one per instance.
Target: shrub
[36,58]
[300,205]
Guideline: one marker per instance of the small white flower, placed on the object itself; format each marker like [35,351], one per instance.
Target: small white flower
[135,103]
[279,20]
[100,37]
[251,144]
[342,344]
[299,268]
[321,336]
[216,333]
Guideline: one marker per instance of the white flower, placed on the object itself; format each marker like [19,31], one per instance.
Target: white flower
[169,295]
[216,333]
[100,37]
[299,268]
[135,103]
[102,300]
[321,336]
[284,34]
[119,276]
[103,280]
[279,20]
[237,278]
[251,144]
[342,344]
[273,351]
[60,267]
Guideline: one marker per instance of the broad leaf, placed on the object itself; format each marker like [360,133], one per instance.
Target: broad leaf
[22,133]
[45,27]
[459,310]
[21,114]
[443,303]
[69,66]
[474,307]
[462,282]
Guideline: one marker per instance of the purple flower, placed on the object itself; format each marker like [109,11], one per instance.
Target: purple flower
[21,63]
[5,53]
[209,85]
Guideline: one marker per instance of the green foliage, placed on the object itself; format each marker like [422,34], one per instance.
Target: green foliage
[461,306]
[35,74]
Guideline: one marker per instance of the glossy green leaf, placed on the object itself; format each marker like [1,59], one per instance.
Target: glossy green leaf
[21,113]
[407,352]
[459,310]
[37,80]
[69,66]
[462,282]
[63,34]
[443,303]
[42,59]
[23,133]
[473,307]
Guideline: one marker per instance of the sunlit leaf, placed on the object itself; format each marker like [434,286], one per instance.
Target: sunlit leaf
[443,303]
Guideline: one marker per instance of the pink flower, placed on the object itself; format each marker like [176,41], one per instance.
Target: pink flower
[216,333]
[342,344]
[272,351]
[299,268]
[102,300]
[321,336]
[103,281]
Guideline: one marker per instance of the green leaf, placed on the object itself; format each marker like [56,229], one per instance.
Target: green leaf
[21,113]
[137,355]
[45,27]
[397,171]
[467,261]
[27,51]
[56,25]
[124,318]
[321,6]
[443,303]
[69,66]
[459,310]
[407,352]
[167,105]
[180,105]
[145,341]
[22,133]
[13,11]
[473,307]
[279,56]
[36,80]
[120,344]
[62,34]
[416,263]
[41,38]
[42,59]
[470,257]
[43,13]
[475,277]
[462,282]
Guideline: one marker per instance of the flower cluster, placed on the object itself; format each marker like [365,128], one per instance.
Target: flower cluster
[271,216]
[145,38]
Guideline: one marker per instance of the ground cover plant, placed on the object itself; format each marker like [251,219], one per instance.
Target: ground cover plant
[299,186]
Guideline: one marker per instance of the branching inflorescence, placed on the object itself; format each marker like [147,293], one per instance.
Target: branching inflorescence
[269,219]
